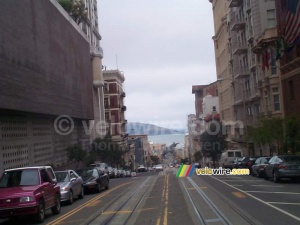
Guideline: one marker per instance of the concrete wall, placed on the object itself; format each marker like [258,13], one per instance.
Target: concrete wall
[45,64]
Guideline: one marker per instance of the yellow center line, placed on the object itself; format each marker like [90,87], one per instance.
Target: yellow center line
[166,202]
[239,194]
[162,197]
[72,212]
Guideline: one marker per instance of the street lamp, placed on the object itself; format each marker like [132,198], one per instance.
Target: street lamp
[244,106]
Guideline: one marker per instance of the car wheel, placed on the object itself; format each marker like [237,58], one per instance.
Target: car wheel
[259,174]
[107,185]
[276,179]
[98,188]
[71,198]
[56,209]
[40,216]
[265,175]
[81,193]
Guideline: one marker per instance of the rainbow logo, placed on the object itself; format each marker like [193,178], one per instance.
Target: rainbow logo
[185,170]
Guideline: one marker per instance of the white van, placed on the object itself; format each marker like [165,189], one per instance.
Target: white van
[228,157]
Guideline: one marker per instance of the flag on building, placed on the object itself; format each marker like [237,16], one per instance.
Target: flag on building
[265,59]
[292,24]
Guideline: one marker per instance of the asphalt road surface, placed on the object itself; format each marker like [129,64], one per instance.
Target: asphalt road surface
[161,198]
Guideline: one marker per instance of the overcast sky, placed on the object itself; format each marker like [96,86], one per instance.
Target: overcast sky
[163,47]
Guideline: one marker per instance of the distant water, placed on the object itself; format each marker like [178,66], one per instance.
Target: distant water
[168,139]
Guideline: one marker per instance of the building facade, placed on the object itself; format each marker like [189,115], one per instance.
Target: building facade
[254,77]
[45,84]
[114,105]
[91,29]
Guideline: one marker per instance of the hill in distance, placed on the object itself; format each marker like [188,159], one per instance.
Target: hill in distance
[135,128]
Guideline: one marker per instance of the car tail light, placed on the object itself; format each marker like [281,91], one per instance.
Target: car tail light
[281,166]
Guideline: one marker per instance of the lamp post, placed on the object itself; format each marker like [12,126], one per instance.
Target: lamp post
[244,107]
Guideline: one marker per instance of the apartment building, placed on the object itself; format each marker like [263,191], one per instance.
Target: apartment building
[141,149]
[289,56]
[91,29]
[114,105]
[254,77]
[45,84]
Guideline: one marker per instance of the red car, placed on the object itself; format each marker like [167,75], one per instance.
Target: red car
[28,191]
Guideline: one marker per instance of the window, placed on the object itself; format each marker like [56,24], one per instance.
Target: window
[214,108]
[249,109]
[271,20]
[276,102]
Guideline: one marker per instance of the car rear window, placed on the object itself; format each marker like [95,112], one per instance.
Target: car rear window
[230,154]
[291,158]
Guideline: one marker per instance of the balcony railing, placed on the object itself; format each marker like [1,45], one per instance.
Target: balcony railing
[123,94]
[241,72]
[123,108]
[235,3]
[96,50]
[238,23]
[239,48]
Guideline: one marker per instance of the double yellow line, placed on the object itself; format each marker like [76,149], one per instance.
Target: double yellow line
[72,212]
[165,200]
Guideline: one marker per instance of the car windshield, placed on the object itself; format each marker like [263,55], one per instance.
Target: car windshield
[62,176]
[88,172]
[17,178]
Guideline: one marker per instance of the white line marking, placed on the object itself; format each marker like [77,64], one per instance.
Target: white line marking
[258,199]
[263,185]
[274,192]
[237,185]
[241,180]
[284,203]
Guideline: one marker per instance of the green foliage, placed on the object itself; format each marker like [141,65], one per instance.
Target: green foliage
[107,150]
[212,140]
[268,130]
[198,156]
[66,4]
[76,153]
[184,160]
[75,8]
[154,159]
[292,134]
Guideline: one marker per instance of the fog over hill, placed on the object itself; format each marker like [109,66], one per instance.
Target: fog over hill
[134,128]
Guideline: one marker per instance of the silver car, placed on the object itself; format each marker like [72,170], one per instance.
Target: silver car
[71,185]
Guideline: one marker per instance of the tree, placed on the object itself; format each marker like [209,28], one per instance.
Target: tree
[267,130]
[155,159]
[107,150]
[76,153]
[213,141]
[292,134]
[76,9]
[198,156]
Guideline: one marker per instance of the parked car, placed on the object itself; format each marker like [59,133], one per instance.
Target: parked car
[110,172]
[159,167]
[142,168]
[259,166]
[28,191]
[247,163]
[228,156]
[236,162]
[71,185]
[93,179]
[115,173]
[128,173]
[122,173]
[283,166]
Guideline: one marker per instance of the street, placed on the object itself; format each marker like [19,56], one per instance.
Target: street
[162,198]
